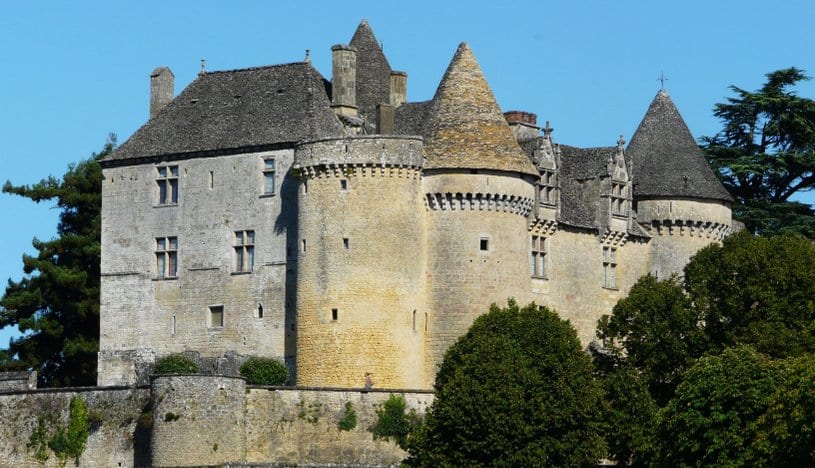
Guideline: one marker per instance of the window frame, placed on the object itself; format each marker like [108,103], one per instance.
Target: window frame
[538,256]
[167,182]
[166,257]
[547,188]
[269,172]
[609,267]
[618,199]
[244,251]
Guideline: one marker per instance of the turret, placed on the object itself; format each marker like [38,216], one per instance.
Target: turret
[360,265]
[677,196]
[479,189]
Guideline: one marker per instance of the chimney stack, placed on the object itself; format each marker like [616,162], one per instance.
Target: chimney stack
[162,84]
[344,80]
[398,88]
[384,119]
[524,125]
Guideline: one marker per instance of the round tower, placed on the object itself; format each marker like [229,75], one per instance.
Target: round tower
[479,190]
[360,263]
[677,196]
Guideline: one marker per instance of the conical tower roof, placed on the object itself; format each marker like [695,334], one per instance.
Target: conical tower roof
[373,71]
[466,127]
[667,162]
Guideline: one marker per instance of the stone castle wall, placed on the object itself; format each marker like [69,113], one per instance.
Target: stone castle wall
[217,197]
[206,420]
[360,262]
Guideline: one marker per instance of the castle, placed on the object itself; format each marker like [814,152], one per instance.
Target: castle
[345,230]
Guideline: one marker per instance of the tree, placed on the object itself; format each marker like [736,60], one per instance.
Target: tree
[56,304]
[711,421]
[765,154]
[749,290]
[630,418]
[516,390]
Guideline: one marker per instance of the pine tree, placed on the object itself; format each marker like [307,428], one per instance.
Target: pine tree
[56,304]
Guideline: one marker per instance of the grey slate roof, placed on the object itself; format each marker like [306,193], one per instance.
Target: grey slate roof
[373,72]
[411,118]
[237,109]
[578,203]
[666,160]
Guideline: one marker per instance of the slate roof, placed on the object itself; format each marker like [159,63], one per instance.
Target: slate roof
[578,205]
[466,128]
[411,118]
[666,160]
[237,109]
[373,72]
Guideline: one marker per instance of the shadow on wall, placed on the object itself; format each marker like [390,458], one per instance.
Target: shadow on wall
[287,222]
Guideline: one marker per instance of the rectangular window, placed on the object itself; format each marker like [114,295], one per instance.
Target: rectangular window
[303,245]
[538,257]
[609,267]
[546,187]
[484,244]
[166,257]
[345,242]
[619,203]
[244,251]
[334,314]
[343,184]
[268,176]
[167,181]
[216,316]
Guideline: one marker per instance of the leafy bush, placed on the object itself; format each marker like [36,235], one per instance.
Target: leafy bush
[394,422]
[70,441]
[349,420]
[176,364]
[264,371]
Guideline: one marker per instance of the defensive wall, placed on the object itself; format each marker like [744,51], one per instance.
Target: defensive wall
[198,420]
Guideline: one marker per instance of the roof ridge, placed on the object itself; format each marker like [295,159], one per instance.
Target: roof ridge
[259,67]
[464,105]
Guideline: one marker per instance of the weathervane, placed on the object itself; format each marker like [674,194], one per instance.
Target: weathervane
[662,79]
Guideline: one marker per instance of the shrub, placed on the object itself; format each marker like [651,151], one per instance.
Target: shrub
[70,441]
[176,364]
[394,422]
[349,420]
[264,371]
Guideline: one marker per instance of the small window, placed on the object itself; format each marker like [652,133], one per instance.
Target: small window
[610,267]
[345,242]
[216,316]
[334,314]
[305,186]
[244,251]
[260,310]
[343,184]
[619,199]
[173,328]
[547,188]
[167,181]
[303,245]
[538,257]
[414,319]
[211,179]
[484,244]
[268,176]
[166,257]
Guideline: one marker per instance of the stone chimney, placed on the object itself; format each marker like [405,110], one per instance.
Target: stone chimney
[398,88]
[344,80]
[162,82]
[524,125]
[384,119]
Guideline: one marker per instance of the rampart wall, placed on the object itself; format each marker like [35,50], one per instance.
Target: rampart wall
[205,420]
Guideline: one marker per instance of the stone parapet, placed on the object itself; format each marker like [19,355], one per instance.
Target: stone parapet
[365,151]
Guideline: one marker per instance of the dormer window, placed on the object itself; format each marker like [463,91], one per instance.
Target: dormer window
[619,199]
[546,188]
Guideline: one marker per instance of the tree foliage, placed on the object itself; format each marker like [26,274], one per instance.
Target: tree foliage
[765,154]
[56,304]
[516,390]
[264,371]
[176,364]
[630,417]
[394,421]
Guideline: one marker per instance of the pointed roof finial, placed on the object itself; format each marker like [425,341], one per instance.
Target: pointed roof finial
[203,66]
[308,56]
[620,143]
[662,79]
[547,130]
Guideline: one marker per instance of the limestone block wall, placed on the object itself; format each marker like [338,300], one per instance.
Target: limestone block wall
[360,261]
[217,197]
[113,440]
[301,426]
[680,228]
[478,250]
[574,284]
[198,420]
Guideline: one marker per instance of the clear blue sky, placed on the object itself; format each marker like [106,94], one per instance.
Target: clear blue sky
[72,72]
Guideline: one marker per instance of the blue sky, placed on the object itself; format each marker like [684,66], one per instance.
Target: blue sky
[72,72]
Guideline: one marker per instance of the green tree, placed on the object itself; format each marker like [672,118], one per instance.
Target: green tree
[630,418]
[516,390]
[711,421]
[748,290]
[56,304]
[765,154]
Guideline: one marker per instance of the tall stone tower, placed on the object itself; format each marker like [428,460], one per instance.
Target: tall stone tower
[677,196]
[479,192]
[361,262]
